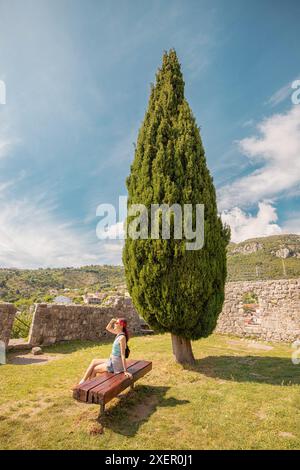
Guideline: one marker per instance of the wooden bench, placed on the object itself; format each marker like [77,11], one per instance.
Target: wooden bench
[107,385]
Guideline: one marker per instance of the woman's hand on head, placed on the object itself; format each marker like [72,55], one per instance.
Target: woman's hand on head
[110,327]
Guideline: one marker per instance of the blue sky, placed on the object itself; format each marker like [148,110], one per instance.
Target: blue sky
[77,76]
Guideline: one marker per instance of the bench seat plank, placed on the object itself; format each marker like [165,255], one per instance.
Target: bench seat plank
[106,391]
[118,388]
[108,385]
[81,391]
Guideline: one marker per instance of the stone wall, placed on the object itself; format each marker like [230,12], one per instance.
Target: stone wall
[53,322]
[274,316]
[7,315]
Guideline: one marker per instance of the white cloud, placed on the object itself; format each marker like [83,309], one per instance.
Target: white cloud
[6,139]
[292,223]
[31,237]
[277,151]
[113,251]
[280,95]
[5,185]
[248,123]
[244,226]
[4,146]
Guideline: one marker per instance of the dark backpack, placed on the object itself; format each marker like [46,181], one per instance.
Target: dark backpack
[127,350]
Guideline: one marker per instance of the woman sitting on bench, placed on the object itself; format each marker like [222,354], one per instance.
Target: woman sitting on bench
[117,362]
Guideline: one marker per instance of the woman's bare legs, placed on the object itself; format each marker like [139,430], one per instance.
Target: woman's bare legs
[98,370]
[89,372]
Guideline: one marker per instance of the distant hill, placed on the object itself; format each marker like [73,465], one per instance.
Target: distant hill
[37,284]
[272,257]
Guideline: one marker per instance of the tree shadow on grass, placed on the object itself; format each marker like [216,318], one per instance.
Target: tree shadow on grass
[260,369]
[135,408]
[22,360]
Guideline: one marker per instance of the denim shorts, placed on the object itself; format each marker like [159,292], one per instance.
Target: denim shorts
[114,365]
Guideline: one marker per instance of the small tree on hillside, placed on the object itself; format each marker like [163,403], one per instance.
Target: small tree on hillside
[174,289]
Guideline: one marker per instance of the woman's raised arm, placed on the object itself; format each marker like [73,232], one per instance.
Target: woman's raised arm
[109,326]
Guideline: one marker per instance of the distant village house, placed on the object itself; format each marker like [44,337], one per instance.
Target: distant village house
[62,299]
[93,298]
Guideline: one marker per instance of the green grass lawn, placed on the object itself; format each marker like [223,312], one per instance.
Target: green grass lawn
[238,396]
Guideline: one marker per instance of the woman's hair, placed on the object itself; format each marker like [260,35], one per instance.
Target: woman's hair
[123,323]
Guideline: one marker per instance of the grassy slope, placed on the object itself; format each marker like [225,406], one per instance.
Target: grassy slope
[33,284]
[236,397]
[243,266]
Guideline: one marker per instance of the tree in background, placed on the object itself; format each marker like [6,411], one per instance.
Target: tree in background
[175,290]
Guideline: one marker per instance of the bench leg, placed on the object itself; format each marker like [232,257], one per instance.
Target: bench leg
[132,386]
[102,410]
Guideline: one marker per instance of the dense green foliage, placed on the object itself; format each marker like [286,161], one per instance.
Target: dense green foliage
[250,298]
[21,325]
[174,289]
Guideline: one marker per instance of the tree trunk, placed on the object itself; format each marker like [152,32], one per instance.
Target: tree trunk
[182,350]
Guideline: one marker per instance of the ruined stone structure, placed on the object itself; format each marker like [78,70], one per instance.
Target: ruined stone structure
[53,322]
[7,315]
[274,315]
[267,310]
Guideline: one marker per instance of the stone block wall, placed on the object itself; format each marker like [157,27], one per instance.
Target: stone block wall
[276,317]
[53,322]
[7,315]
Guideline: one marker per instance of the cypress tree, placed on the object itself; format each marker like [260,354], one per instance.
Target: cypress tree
[174,289]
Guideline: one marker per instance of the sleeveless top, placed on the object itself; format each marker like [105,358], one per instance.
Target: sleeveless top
[116,349]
